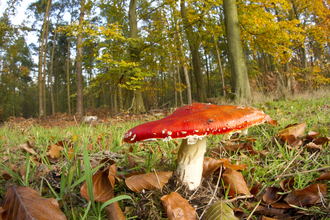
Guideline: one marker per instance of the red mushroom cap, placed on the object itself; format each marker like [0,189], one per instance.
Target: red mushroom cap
[198,120]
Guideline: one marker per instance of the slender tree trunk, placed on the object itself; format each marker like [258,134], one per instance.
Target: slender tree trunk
[220,68]
[80,95]
[51,73]
[183,63]
[44,72]
[40,81]
[68,76]
[240,80]
[120,97]
[135,53]
[194,48]
[207,72]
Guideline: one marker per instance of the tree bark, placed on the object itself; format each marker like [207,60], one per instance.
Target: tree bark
[239,73]
[138,106]
[194,48]
[68,76]
[41,109]
[183,63]
[80,95]
[44,73]
[51,73]
[220,68]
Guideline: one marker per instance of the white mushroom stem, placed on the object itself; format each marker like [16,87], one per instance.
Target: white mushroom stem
[190,162]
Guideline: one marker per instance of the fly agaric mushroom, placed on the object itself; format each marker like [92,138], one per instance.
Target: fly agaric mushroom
[192,123]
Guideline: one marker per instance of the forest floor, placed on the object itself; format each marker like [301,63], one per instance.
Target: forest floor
[278,172]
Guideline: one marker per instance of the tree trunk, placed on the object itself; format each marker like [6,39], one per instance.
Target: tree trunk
[220,67]
[138,106]
[120,97]
[51,74]
[41,109]
[194,48]
[44,73]
[68,76]
[239,73]
[183,63]
[80,95]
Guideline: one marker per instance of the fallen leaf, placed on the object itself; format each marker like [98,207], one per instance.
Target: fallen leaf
[312,147]
[235,181]
[271,196]
[324,176]
[114,212]
[22,202]
[210,165]
[54,151]
[307,196]
[177,207]
[287,184]
[291,132]
[103,183]
[27,148]
[220,210]
[140,182]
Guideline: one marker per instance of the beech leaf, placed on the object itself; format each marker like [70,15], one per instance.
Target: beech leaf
[177,207]
[22,202]
[307,196]
[235,181]
[291,132]
[220,210]
[140,182]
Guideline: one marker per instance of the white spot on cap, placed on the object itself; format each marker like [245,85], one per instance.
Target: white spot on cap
[196,130]
[163,131]
[129,134]
[155,134]
[169,133]
[132,139]
[183,132]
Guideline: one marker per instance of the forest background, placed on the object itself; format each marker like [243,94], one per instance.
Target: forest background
[145,54]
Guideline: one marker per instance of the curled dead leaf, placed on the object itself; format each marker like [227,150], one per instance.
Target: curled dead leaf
[308,196]
[177,207]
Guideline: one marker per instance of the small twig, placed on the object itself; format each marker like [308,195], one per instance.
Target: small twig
[160,187]
[215,191]
[303,172]
[292,161]
[255,208]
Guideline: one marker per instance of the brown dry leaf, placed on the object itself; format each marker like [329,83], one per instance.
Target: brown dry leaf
[235,181]
[177,207]
[287,184]
[307,196]
[140,182]
[291,132]
[210,165]
[130,161]
[324,176]
[114,212]
[27,148]
[271,196]
[321,141]
[22,202]
[102,188]
[54,151]
[312,147]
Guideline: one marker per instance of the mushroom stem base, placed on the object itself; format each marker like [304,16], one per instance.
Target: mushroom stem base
[190,162]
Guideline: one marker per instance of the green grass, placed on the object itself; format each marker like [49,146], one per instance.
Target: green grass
[314,109]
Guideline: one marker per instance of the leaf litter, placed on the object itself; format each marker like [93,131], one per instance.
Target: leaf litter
[272,201]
